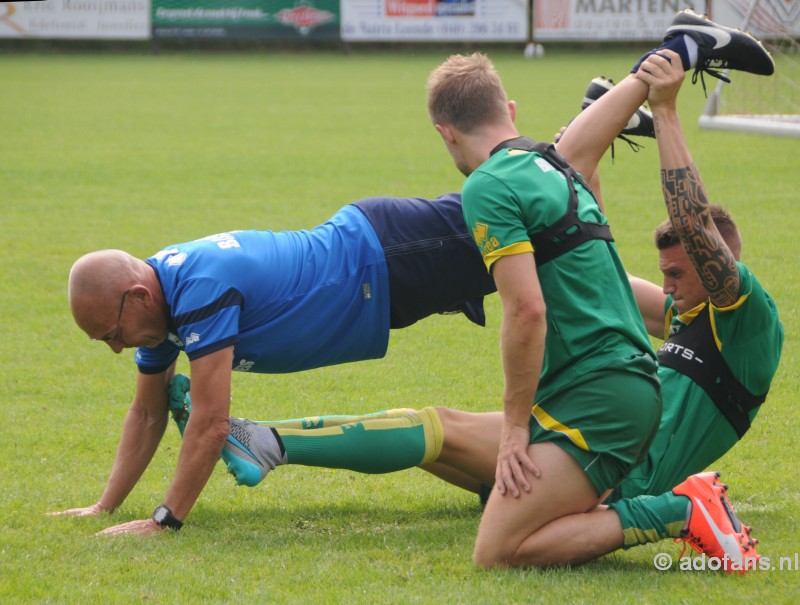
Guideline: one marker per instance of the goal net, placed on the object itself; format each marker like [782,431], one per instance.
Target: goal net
[767,105]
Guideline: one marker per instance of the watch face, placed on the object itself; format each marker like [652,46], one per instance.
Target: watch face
[160,514]
[164,517]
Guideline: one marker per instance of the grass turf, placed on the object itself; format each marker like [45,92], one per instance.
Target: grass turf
[137,152]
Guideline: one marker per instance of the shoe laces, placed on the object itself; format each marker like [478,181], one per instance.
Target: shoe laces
[241,434]
[691,541]
[633,145]
[700,69]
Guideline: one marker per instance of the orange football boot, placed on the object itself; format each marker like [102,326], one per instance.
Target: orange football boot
[713,528]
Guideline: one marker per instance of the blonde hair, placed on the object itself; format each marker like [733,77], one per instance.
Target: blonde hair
[466,92]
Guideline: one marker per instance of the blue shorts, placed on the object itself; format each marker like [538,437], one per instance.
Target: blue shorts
[434,265]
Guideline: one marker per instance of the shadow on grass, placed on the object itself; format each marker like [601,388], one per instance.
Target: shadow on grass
[363,527]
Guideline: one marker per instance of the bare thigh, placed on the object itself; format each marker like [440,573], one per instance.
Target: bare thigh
[507,535]
[471,442]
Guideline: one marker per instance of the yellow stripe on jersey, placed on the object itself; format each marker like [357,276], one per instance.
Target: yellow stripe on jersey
[516,248]
[732,307]
[691,314]
[551,424]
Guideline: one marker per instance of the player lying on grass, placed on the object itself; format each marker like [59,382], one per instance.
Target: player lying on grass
[712,310]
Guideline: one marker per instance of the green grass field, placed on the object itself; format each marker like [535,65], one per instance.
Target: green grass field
[135,151]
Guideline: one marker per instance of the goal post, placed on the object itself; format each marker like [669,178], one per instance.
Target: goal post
[758,104]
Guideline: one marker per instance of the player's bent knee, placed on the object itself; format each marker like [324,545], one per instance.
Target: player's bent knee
[484,560]
[492,550]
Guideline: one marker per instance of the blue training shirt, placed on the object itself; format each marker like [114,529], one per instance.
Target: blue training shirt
[287,301]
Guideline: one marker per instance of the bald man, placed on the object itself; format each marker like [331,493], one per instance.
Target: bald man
[264,302]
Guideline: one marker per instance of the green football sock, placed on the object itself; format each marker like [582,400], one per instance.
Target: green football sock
[648,519]
[374,444]
[318,422]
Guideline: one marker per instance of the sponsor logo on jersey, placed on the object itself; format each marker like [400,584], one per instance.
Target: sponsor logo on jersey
[314,422]
[223,240]
[480,234]
[176,260]
[174,257]
[676,349]
[193,338]
[244,366]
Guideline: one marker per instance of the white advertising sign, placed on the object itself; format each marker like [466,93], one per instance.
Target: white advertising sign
[76,19]
[434,20]
[768,17]
[612,20]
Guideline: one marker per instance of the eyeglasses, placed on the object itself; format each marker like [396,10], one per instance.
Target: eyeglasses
[115,336]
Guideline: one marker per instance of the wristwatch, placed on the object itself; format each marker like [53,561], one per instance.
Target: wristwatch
[164,518]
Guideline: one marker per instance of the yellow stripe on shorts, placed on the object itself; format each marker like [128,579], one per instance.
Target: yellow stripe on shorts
[551,424]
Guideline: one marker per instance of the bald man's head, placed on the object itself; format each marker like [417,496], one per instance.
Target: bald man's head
[98,283]
[100,274]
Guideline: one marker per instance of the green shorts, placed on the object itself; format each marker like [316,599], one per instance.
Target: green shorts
[680,448]
[606,422]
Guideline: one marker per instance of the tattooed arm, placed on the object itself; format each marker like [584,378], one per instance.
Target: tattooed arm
[690,216]
[686,199]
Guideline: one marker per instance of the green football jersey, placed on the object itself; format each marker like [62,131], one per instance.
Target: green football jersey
[693,433]
[592,319]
